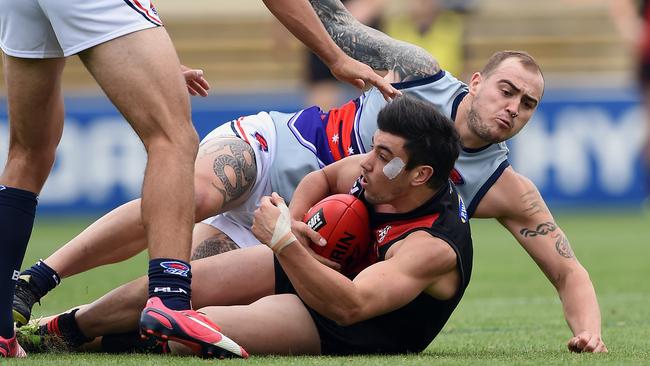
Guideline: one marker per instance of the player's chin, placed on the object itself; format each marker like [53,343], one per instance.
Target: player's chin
[370,198]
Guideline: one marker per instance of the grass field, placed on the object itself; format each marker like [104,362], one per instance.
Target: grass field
[510,314]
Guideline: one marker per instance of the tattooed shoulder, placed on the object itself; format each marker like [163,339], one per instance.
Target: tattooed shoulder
[236,158]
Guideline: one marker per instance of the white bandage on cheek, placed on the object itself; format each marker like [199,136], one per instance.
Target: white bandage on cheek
[280,238]
[393,168]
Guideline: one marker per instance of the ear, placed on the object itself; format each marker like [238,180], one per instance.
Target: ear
[475,82]
[421,175]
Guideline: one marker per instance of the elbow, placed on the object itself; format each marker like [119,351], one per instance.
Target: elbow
[572,275]
[347,316]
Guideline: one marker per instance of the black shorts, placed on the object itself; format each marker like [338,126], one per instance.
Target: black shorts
[379,335]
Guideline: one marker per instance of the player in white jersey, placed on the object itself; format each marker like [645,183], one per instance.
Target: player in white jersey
[122,44]
[493,107]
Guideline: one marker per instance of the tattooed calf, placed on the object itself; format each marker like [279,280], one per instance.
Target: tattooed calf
[217,244]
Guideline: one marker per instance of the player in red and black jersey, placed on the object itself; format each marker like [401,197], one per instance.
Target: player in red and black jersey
[294,304]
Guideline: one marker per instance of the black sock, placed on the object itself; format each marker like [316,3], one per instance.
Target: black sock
[132,342]
[42,278]
[66,327]
[17,210]
[170,280]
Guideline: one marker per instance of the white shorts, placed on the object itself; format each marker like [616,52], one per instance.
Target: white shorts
[259,132]
[58,28]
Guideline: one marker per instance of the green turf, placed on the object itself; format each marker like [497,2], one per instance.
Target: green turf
[510,314]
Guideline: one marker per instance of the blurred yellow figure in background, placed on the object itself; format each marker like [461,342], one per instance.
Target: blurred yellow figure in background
[435,25]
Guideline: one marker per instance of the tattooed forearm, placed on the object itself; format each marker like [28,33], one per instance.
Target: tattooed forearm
[220,243]
[236,157]
[562,245]
[542,229]
[533,203]
[371,46]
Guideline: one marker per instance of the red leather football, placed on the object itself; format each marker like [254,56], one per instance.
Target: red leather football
[343,221]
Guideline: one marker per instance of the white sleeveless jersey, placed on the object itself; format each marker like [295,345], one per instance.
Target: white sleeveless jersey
[311,138]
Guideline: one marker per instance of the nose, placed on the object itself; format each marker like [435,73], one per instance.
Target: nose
[365,162]
[512,109]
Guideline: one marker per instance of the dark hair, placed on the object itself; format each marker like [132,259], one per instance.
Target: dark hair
[431,138]
[524,57]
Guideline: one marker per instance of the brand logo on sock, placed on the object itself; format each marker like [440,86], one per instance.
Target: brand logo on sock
[175,268]
[170,290]
[15,276]
[2,188]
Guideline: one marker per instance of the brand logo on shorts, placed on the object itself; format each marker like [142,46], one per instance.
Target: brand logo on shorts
[317,220]
[264,146]
[15,276]
[175,268]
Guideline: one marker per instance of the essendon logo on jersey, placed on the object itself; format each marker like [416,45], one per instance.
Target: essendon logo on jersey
[456,178]
[264,146]
[317,220]
[381,233]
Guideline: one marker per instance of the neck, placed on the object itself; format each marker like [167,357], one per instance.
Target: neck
[468,138]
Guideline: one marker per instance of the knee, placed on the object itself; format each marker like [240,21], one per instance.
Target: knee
[206,202]
[181,142]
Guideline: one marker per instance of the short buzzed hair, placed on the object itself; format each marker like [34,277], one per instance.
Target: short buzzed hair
[524,57]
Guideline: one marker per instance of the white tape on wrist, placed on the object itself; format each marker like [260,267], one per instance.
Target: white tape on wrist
[280,238]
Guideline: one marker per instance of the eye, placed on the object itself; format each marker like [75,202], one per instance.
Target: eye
[380,156]
[506,93]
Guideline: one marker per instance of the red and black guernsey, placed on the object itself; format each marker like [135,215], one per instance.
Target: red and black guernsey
[412,327]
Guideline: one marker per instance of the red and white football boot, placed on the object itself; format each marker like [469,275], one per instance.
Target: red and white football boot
[188,327]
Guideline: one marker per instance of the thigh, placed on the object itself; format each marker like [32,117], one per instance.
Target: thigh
[277,324]
[140,73]
[233,278]
[208,241]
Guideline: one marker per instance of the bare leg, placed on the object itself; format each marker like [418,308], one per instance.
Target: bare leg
[232,278]
[36,123]
[36,120]
[137,72]
[208,241]
[120,234]
[277,324]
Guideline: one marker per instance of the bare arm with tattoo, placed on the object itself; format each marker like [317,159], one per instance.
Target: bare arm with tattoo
[300,20]
[373,47]
[516,203]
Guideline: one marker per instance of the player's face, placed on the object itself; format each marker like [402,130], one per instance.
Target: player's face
[384,177]
[503,101]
